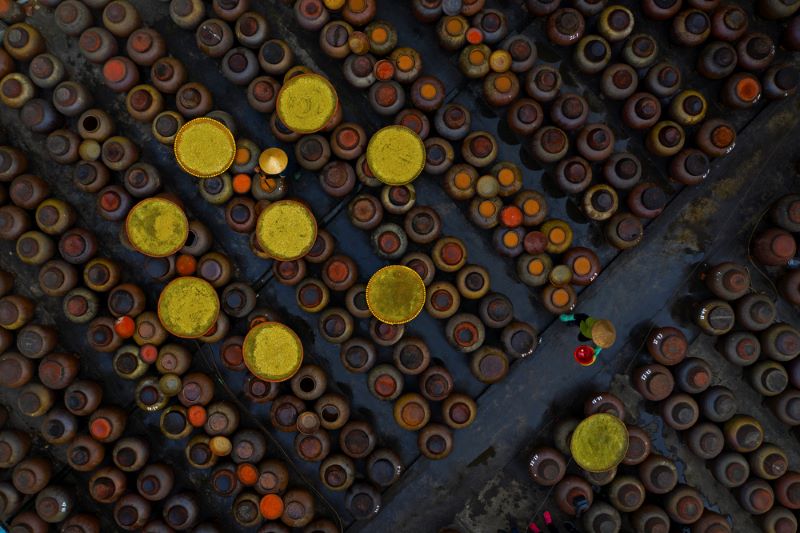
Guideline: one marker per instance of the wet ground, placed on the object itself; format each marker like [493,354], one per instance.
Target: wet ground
[483,485]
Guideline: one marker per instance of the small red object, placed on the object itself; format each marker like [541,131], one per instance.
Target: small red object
[474,36]
[584,355]
[384,70]
[511,216]
[534,528]
[197,415]
[186,264]
[547,518]
[148,353]
[125,327]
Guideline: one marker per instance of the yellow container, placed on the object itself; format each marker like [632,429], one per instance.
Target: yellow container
[599,443]
[395,294]
[157,227]
[306,103]
[204,147]
[396,155]
[272,351]
[188,307]
[286,230]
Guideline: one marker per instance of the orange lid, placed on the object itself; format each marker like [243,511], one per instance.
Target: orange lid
[379,35]
[357,5]
[428,91]
[462,180]
[242,156]
[141,41]
[505,176]
[510,239]
[486,208]
[186,264]
[100,428]
[476,57]
[384,70]
[531,207]
[271,506]
[454,26]
[722,136]
[536,267]
[242,183]
[503,83]
[474,36]
[125,327]
[557,236]
[109,201]
[348,138]
[5,7]
[560,297]
[582,266]
[115,70]
[148,353]
[247,474]
[267,184]
[405,62]
[197,415]
[337,271]
[511,216]
[748,89]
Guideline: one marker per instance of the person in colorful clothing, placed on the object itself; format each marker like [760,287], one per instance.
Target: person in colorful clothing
[596,334]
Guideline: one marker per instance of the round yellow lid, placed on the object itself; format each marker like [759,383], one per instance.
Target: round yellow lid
[306,103]
[204,147]
[188,307]
[273,161]
[272,351]
[286,230]
[396,155]
[395,294]
[157,227]
[599,443]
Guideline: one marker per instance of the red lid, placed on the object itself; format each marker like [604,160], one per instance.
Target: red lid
[125,327]
[474,36]
[100,428]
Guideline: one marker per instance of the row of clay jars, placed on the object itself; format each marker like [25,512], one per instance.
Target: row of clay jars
[548,466]
[777,247]
[657,146]
[313,295]
[65,271]
[399,239]
[693,376]
[84,454]
[626,493]
[331,412]
[76,247]
[740,434]
[129,453]
[655,382]
[442,122]
[779,342]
